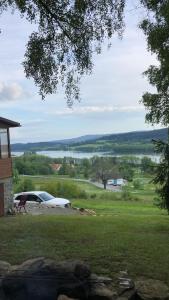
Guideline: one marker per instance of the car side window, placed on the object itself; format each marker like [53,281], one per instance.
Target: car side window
[18,197]
[33,198]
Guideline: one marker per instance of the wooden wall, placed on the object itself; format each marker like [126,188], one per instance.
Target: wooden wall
[5,168]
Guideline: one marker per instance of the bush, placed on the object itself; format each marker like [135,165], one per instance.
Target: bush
[64,189]
[137,184]
[126,195]
[93,196]
[24,186]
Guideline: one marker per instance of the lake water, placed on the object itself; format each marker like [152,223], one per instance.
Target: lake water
[61,154]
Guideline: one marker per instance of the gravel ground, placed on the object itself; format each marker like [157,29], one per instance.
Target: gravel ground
[38,209]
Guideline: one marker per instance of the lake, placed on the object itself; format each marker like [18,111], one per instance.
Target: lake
[61,154]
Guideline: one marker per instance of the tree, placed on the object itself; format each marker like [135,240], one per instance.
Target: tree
[147,165]
[126,170]
[156,29]
[162,175]
[68,32]
[103,169]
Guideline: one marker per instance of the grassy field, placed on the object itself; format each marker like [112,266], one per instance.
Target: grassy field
[109,244]
[110,203]
[132,235]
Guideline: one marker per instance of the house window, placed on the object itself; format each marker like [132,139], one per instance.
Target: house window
[4,147]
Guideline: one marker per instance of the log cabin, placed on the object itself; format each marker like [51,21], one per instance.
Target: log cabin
[6,198]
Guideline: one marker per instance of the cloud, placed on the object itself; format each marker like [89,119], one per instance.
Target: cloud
[11,91]
[97,109]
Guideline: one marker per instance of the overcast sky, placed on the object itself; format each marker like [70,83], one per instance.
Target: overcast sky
[109,97]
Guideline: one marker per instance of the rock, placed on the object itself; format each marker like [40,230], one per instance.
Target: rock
[152,290]
[5,267]
[64,297]
[44,279]
[81,270]
[100,288]
[2,295]
[129,294]
[101,293]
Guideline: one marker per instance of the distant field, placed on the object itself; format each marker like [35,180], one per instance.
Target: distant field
[107,202]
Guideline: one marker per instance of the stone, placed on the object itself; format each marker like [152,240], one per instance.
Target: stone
[8,197]
[2,295]
[151,289]
[129,294]
[100,288]
[64,297]
[101,293]
[44,279]
[5,267]
[81,270]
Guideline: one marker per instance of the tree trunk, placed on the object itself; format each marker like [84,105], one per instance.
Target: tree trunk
[105,184]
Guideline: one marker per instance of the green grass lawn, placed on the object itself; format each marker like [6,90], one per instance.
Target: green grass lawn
[138,243]
[132,235]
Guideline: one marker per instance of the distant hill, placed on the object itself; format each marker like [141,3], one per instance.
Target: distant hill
[137,136]
[136,142]
[42,145]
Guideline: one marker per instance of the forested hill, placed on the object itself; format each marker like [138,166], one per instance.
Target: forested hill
[137,136]
[122,143]
[50,144]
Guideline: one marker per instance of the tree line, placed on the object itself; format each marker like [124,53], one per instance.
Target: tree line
[99,169]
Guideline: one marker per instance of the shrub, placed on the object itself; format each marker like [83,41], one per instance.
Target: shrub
[24,186]
[64,189]
[93,196]
[126,195]
[137,184]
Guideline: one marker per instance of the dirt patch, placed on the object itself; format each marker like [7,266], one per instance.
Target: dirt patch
[38,209]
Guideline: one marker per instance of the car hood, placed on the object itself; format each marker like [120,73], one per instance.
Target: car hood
[56,201]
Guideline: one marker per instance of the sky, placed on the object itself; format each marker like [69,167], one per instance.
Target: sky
[110,97]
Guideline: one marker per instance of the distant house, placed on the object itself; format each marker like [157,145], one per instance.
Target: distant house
[116,182]
[6,199]
[56,167]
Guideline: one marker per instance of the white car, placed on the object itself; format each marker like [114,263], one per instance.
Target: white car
[43,198]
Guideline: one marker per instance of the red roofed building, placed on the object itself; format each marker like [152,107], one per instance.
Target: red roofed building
[56,167]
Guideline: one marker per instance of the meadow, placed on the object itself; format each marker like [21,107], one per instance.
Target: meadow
[128,235]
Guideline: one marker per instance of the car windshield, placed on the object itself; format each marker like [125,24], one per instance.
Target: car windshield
[46,196]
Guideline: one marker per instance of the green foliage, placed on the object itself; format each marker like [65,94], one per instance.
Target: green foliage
[156,29]
[137,184]
[67,34]
[63,189]
[147,165]
[126,195]
[126,171]
[103,169]
[15,175]
[33,164]
[162,175]
[24,186]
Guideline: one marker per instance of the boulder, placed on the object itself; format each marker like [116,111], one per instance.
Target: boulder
[5,267]
[44,279]
[100,288]
[150,289]
[64,297]
[102,293]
